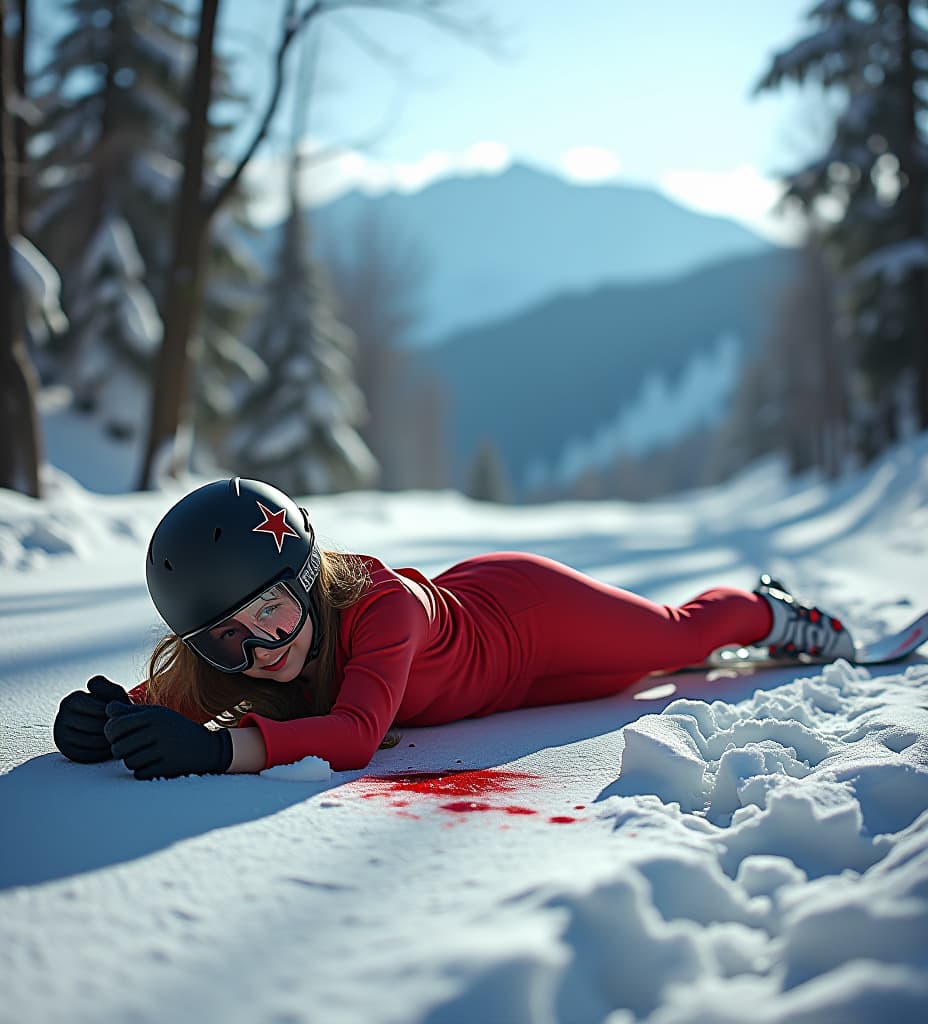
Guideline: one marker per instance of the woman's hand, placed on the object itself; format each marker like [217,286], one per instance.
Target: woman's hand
[79,724]
[158,743]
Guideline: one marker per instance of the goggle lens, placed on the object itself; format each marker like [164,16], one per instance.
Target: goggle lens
[270,620]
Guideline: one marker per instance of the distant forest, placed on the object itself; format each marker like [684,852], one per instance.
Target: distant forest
[133,283]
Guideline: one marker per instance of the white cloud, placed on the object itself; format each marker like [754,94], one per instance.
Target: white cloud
[330,172]
[488,156]
[743,194]
[589,164]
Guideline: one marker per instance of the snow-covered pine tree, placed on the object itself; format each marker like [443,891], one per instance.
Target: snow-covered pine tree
[39,293]
[297,428]
[232,282]
[110,100]
[231,300]
[377,275]
[868,192]
[116,330]
[488,479]
[113,98]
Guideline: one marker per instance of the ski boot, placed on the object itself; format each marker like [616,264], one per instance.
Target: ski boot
[801,630]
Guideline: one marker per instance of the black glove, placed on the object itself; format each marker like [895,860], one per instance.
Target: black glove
[158,743]
[78,729]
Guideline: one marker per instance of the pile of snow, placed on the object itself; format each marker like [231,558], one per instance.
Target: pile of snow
[308,769]
[687,852]
[784,856]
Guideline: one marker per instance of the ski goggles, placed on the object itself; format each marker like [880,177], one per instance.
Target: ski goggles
[270,620]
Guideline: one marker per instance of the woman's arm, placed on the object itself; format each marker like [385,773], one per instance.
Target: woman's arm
[385,635]
[249,753]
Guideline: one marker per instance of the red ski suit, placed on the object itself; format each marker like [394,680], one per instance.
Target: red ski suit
[493,633]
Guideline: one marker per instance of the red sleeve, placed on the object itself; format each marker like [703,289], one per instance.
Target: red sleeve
[384,636]
[139,695]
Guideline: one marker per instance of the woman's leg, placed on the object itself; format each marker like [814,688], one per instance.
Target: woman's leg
[588,628]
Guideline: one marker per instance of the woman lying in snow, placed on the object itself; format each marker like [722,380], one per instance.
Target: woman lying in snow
[317,652]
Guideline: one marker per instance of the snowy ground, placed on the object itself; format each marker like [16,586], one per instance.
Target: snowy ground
[752,849]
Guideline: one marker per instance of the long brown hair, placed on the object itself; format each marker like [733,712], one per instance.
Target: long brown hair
[180,679]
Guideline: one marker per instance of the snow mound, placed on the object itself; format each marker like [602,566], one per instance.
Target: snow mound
[791,827]
[310,769]
[69,521]
[771,853]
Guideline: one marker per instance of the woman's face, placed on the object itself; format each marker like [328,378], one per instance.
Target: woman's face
[283,665]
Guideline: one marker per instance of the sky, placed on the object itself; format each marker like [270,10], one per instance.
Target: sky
[656,93]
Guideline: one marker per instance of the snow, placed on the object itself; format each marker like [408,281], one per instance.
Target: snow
[285,436]
[663,411]
[168,51]
[112,271]
[309,769]
[895,262]
[113,245]
[704,848]
[69,436]
[41,287]
[141,320]
[156,174]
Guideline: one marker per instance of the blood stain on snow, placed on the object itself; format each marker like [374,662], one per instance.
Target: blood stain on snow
[562,819]
[471,791]
[481,783]
[465,806]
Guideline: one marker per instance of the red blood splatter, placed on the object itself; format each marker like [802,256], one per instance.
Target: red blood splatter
[561,819]
[472,790]
[483,783]
[579,807]
[466,806]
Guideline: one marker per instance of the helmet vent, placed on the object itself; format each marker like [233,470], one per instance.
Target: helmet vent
[168,566]
[217,533]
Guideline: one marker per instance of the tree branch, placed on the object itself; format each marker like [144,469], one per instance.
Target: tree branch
[435,11]
[477,29]
[394,62]
[293,25]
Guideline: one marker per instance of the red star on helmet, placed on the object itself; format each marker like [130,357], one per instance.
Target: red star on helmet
[275,523]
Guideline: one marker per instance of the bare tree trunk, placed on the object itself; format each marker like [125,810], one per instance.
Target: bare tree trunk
[20,126]
[832,366]
[19,426]
[102,181]
[916,199]
[196,210]
[172,368]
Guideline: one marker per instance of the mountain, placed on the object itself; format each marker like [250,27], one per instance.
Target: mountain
[559,376]
[492,245]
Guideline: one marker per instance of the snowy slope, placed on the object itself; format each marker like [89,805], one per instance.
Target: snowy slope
[724,850]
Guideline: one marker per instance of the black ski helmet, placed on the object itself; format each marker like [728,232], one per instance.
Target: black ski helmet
[222,545]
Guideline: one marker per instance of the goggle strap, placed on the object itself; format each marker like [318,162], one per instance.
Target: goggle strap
[311,568]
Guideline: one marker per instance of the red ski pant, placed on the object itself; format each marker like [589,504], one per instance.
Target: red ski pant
[583,639]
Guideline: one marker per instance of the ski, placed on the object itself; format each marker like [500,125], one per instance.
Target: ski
[882,651]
